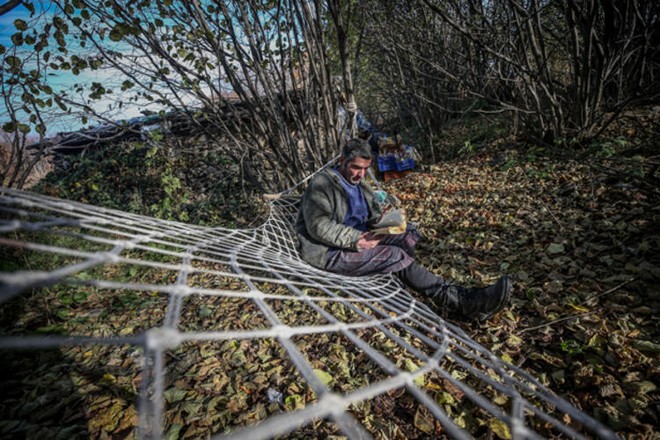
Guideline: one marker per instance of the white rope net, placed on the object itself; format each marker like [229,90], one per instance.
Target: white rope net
[229,333]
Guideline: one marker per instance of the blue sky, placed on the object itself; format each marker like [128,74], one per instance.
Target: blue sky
[7,23]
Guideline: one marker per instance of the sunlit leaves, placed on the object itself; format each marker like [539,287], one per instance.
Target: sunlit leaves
[500,428]
[324,376]
[424,421]
[578,320]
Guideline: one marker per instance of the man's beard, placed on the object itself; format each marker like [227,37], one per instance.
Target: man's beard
[354,180]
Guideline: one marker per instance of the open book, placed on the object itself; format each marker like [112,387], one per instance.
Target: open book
[393,221]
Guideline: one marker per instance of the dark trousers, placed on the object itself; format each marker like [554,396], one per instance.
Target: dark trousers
[394,254]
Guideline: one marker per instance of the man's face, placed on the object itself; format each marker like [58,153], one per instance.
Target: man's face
[355,169]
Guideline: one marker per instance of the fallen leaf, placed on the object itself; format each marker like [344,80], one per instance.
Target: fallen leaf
[326,378]
[500,429]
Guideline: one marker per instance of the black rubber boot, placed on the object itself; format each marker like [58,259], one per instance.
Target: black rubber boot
[452,301]
[482,303]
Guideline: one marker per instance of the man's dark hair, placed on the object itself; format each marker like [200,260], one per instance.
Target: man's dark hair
[356,147]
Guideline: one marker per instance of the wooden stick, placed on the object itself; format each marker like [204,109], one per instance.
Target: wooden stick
[567,318]
[548,324]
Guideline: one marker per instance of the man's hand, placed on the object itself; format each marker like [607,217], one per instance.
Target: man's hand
[367,241]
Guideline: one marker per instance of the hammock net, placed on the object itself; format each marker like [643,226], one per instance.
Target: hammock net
[228,333]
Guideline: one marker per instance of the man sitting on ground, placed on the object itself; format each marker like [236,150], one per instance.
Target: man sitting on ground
[336,213]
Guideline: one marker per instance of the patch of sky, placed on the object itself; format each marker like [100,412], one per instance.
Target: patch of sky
[114,107]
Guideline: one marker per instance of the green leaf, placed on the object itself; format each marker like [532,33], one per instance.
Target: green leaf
[65,299]
[173,432]
[500,429]
[411,367]
[52,329]
[514,341]
[174,395]
[555,248]
[205,311]
[21,25]
[116,34]
[79,296]
[423,421]
[646,346]
[445,398]
[17,39]
[294,402]
[644,387]
[13,61]
[323,376]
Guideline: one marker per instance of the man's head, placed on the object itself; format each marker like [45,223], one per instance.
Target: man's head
[355,160]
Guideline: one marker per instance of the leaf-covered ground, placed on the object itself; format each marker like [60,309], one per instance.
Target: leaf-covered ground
[580,238]
[582,242]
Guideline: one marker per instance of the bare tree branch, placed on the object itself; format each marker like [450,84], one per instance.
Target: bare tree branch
[8,6]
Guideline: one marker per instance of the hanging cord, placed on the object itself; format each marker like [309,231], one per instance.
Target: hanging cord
[351,108]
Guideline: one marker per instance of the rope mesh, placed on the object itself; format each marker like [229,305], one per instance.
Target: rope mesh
[357,350]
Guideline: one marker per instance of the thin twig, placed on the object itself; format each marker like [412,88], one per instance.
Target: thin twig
[548,324]
[568,318]
[608,291]
[561,227]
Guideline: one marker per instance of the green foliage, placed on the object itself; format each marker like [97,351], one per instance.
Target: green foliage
[154,180]
[607,148]
[463,137]
[571,347]
[174,198]
[171,205]
[534,152]
[467,149]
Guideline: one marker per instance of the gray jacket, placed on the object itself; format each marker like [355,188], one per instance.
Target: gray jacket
[320,220]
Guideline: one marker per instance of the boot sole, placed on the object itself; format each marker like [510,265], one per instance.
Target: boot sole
[503,301]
